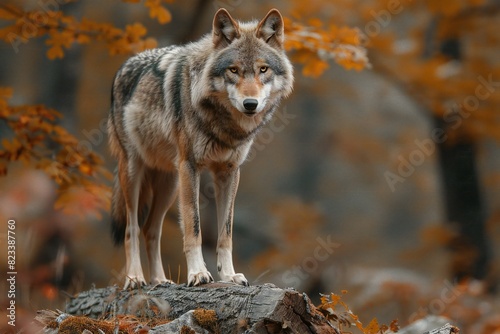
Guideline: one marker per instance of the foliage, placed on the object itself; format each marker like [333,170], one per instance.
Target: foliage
[41,143]
[156,10]
[65,30]
[38,141]
[313,46]
[336,310]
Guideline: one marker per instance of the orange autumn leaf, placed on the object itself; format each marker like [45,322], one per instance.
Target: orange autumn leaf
[315,67]
[156,10]
[85,169]
[55,52]
[135,31]
[372,328]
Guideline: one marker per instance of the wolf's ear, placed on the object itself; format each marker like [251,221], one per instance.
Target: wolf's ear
[271,29]
[225,29]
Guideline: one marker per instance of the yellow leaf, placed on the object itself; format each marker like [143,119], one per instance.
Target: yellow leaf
[373,327]
[161,13]
[156,10]
[135,31]
[349,64]
[64,38]
[24,119]
[349,36]
[85,169]
[83,39]
[13,34]
[119,46]
[315,22]
[149,43]
[315,68]
[57,41]
[68,20]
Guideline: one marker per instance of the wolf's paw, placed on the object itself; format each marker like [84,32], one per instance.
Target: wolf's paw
[162,281]
[200,278]
[134,282]
[236,278]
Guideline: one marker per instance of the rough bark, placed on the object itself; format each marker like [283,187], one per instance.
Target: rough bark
[261,309]
[210,309]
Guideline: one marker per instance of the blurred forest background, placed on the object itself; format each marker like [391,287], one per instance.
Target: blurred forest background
[379,176]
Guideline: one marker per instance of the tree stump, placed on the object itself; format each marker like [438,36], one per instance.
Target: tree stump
[236,309]
[216,308]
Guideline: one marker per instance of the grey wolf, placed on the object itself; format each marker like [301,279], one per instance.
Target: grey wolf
[178,110]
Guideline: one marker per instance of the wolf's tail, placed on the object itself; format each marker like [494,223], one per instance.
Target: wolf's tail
[119,209]
[118,213]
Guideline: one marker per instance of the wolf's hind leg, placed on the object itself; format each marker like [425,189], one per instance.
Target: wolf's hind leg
[164,185]
[131,174]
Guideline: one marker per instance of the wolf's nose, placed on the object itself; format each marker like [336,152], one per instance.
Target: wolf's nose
[250,104]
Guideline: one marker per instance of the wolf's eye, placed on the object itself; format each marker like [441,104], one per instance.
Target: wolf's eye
[263,69]
[233,70]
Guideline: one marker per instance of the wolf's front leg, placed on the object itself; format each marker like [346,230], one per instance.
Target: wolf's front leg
[189,182]
[226,178]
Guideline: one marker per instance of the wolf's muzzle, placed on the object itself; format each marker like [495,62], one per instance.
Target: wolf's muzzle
[250,104]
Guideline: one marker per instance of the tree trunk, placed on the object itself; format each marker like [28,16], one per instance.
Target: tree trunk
[464,204]
[260,309]
[217,308]
[471,253]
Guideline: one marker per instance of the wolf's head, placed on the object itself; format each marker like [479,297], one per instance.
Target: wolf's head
[249,70]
